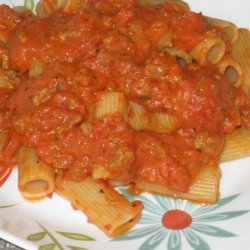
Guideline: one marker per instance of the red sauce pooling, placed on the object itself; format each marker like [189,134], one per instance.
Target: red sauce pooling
[114,46]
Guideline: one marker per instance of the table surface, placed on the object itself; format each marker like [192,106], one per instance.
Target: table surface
[6,245]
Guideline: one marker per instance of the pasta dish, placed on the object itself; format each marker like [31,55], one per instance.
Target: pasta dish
[96,94]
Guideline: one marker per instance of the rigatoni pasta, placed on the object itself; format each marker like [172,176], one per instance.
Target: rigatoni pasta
[183,57]
[35,178]
[204,188]
[232,71]
[44,8]
[36,68]
[229,28]
[141,119]
[210,50]
[164,123]
[100,94]
[5,79]
[240,53]
[95,199]
[110,103]
[237,145]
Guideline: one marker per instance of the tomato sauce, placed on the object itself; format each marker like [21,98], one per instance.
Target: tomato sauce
[9,19]
[115,46]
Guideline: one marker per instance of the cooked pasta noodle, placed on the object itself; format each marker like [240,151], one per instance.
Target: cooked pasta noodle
[141,119]
[237,145]
[105,93]
[209,51]
[229,28]
[240,53]
[95,199]
[109,103]
[204,188]
[35,178]
[232,71]
[181,56]
[36,68]
[46,7]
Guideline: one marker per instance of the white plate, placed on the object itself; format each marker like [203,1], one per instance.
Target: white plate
[53,224]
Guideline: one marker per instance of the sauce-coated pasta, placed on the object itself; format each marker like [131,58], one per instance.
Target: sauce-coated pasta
[119,91]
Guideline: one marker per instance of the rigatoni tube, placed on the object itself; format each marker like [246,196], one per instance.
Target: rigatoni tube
[209,50]
[36,68]
[141,119]
[237,145]
[109,103]
[182,56]
[204,188]
[229,28]
[103,205]
[232,71]
[240,52]
[35,178]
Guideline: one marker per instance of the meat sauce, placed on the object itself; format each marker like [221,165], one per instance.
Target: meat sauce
[114,46]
